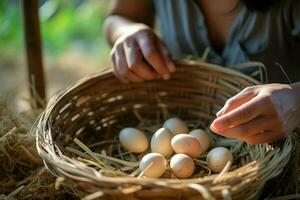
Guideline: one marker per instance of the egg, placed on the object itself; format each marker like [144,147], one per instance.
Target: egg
[153,165]
[202,137]
[133,140]
[182,165]
[161,142]
[176,126]
[186,144]
[217,158]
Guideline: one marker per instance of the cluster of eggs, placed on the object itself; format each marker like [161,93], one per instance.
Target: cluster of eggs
[174,136]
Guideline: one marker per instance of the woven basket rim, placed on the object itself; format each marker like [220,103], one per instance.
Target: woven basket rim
[169,183]
[108,71]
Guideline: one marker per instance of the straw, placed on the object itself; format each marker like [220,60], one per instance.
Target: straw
[94,110]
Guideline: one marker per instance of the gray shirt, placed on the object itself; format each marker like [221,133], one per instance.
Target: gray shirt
[267,37]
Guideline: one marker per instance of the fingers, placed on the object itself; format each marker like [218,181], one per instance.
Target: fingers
[237,100]
[251,128]
[135,61]
[242,114]
[150,52]
[257,115]
[116,70]
[145,57]
[164,52]
[121,68]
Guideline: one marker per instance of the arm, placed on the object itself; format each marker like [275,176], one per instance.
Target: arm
[260,114]
[137,53]
[126,13]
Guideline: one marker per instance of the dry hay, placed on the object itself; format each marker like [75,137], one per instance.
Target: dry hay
[23,175]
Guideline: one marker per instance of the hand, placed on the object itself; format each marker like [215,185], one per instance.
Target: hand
[259,114]
[139,55]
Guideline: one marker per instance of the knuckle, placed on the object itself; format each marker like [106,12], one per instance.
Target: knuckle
[150,52]
[249,89]
[119,46]
[127,39]
[229,102]
[146,33]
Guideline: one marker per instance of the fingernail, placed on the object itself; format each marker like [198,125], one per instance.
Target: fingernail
[217,126]
[212,127]
[166,76]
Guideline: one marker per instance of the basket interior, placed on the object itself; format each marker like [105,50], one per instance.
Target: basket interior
[194,93]
[97,108]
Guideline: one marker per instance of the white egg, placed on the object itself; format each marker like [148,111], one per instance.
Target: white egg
[182,165]
[153,165]
[133,140]
[161,142]
[217,158]
[186,144]
[176,126]
[202,137]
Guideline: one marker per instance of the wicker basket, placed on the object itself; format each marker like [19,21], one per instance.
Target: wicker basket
[98,103]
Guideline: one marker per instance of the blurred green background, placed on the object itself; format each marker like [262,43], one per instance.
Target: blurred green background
[72,38]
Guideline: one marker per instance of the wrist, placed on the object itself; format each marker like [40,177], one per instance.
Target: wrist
[117,26]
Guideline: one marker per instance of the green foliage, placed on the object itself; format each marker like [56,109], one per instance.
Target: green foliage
[10,27]
[64,24]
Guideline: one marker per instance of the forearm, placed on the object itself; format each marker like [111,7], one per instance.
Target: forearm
[126,14]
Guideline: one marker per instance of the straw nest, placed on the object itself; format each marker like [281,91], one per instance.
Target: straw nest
[77,136]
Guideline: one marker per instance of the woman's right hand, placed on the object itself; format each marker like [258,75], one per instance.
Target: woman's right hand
[139,55]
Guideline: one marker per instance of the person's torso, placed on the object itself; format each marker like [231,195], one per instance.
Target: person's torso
[268,37]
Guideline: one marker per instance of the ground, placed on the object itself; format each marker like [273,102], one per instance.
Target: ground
[60,72]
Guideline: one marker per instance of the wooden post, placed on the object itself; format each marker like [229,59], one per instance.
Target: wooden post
[34,50]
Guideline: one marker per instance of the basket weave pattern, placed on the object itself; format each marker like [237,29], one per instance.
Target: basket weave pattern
[196,91]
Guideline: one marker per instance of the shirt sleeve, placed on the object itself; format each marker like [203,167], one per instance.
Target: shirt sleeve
[296,18]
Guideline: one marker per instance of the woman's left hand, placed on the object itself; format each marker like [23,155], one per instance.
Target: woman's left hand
[260,114]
